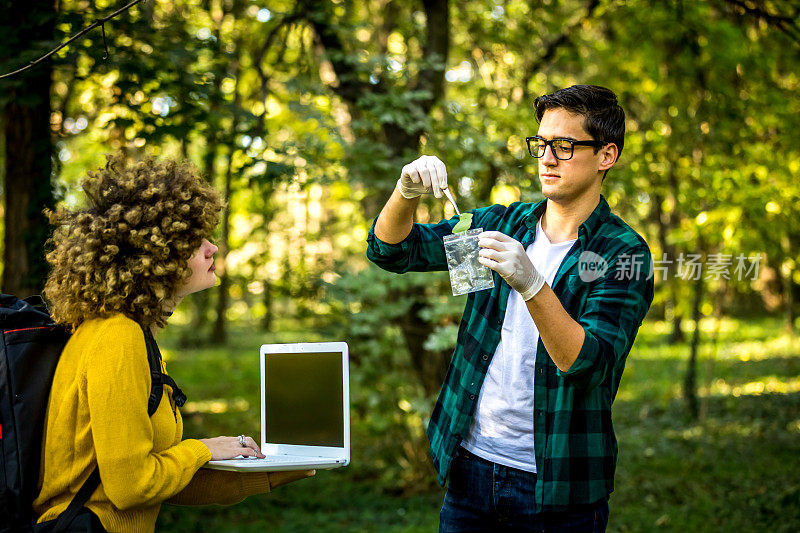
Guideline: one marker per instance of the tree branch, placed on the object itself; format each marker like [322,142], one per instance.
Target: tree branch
[435,51]
[552,47]
[785,23]
[350,88]
[286,22]
[98,22]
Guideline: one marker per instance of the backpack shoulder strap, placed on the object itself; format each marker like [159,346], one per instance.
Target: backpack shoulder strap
[157,377]
[77,503]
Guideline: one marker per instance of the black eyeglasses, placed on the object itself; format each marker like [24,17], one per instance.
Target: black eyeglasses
[562,148]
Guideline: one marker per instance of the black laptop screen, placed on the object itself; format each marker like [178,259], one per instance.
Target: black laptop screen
[304,399]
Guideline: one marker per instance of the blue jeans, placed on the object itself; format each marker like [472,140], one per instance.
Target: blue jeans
[488,497]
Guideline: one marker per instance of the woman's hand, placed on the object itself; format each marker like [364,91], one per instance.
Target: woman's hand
[230,447]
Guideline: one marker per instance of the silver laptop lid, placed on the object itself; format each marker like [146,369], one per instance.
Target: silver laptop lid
[305,399]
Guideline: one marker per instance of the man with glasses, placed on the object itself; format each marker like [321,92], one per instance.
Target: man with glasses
[522,427]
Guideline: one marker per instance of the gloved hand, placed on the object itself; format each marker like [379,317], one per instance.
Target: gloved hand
[425,175]
[507,257]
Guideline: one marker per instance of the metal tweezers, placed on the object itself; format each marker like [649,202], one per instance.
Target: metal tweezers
[452,201]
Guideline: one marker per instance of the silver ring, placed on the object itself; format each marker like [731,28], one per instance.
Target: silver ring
[242,442]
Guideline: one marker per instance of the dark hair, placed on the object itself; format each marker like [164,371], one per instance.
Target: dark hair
[604,118]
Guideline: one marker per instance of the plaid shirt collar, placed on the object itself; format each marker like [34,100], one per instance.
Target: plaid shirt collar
[586,230]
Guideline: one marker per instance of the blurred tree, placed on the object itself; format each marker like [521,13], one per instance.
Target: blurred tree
[693,89]
[28,32]
[388,107]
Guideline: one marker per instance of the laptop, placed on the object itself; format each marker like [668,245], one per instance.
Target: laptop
[305,409]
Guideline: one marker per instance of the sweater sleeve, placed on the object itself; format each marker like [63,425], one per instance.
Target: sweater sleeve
[221,487]
[132,472]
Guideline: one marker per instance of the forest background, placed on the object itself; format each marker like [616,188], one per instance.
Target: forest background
[302,114]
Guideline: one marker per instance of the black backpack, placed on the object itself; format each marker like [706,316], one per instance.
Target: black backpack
[30,345]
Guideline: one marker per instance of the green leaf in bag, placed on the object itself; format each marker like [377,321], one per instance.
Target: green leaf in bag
[463,223]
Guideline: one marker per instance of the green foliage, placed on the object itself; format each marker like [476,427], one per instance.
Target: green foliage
[346,92]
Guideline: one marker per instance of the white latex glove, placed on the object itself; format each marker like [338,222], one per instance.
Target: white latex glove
[425,175]
[507,257]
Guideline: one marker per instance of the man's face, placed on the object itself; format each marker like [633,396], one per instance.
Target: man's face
[570,180]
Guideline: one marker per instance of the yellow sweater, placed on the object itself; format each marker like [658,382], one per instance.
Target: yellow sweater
[97,415]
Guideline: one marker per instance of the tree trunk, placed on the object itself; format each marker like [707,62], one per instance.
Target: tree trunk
[676,336]
[26,110]
[665,222]
[788,297]
[690,380]
[712,355]
[198,303]
[266,322]
[430,367]
[787,286]
[219,334]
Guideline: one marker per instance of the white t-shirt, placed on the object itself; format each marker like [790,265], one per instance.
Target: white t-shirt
[502,429]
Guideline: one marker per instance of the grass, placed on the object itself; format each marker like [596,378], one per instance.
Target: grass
[738,466]
[735,468]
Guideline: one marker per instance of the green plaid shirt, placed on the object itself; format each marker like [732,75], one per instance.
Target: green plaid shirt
[574,441]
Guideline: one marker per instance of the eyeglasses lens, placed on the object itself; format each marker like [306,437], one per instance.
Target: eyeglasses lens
[562,149]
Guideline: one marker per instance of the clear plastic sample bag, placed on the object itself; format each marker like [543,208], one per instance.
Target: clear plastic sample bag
[466,273]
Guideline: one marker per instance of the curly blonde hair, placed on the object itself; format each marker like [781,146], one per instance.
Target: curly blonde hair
[127,251]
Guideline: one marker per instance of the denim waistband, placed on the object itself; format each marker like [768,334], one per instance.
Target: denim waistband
[531,477]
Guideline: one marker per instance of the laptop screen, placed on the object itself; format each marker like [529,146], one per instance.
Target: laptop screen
[303,397]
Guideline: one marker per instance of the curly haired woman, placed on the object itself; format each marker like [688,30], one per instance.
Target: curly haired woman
[119,268]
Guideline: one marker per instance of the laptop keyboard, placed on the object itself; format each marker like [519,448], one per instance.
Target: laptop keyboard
[278,459]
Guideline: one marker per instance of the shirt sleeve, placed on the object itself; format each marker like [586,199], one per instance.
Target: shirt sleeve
[614,310]
[220,487]
[118,379]
[421,251]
